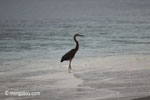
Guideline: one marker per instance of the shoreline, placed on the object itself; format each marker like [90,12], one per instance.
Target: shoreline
[103,78]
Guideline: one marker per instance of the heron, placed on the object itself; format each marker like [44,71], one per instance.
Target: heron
[70,55]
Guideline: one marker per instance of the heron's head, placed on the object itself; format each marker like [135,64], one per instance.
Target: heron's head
[78,35]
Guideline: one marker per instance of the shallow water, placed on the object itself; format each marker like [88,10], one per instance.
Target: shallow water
[101,78]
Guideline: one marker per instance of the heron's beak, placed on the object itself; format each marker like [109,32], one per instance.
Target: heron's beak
[81,35]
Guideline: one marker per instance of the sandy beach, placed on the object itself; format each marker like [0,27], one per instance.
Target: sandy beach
[104,78]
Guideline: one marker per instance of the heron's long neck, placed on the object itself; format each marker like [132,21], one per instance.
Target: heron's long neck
[77,44]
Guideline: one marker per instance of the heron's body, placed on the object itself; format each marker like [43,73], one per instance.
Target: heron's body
[70,55]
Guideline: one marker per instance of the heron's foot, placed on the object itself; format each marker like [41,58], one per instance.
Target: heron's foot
[69,70]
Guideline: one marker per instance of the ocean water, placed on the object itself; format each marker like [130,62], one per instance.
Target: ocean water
[112,62]
[51,38]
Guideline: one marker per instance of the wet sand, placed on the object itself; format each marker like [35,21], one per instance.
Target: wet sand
[104,78]
[143,98]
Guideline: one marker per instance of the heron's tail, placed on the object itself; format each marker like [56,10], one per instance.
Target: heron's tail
[61,60]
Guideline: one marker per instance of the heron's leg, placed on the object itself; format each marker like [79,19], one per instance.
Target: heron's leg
[69,66]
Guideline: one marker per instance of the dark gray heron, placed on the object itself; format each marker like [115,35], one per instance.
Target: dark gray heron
[70,55]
